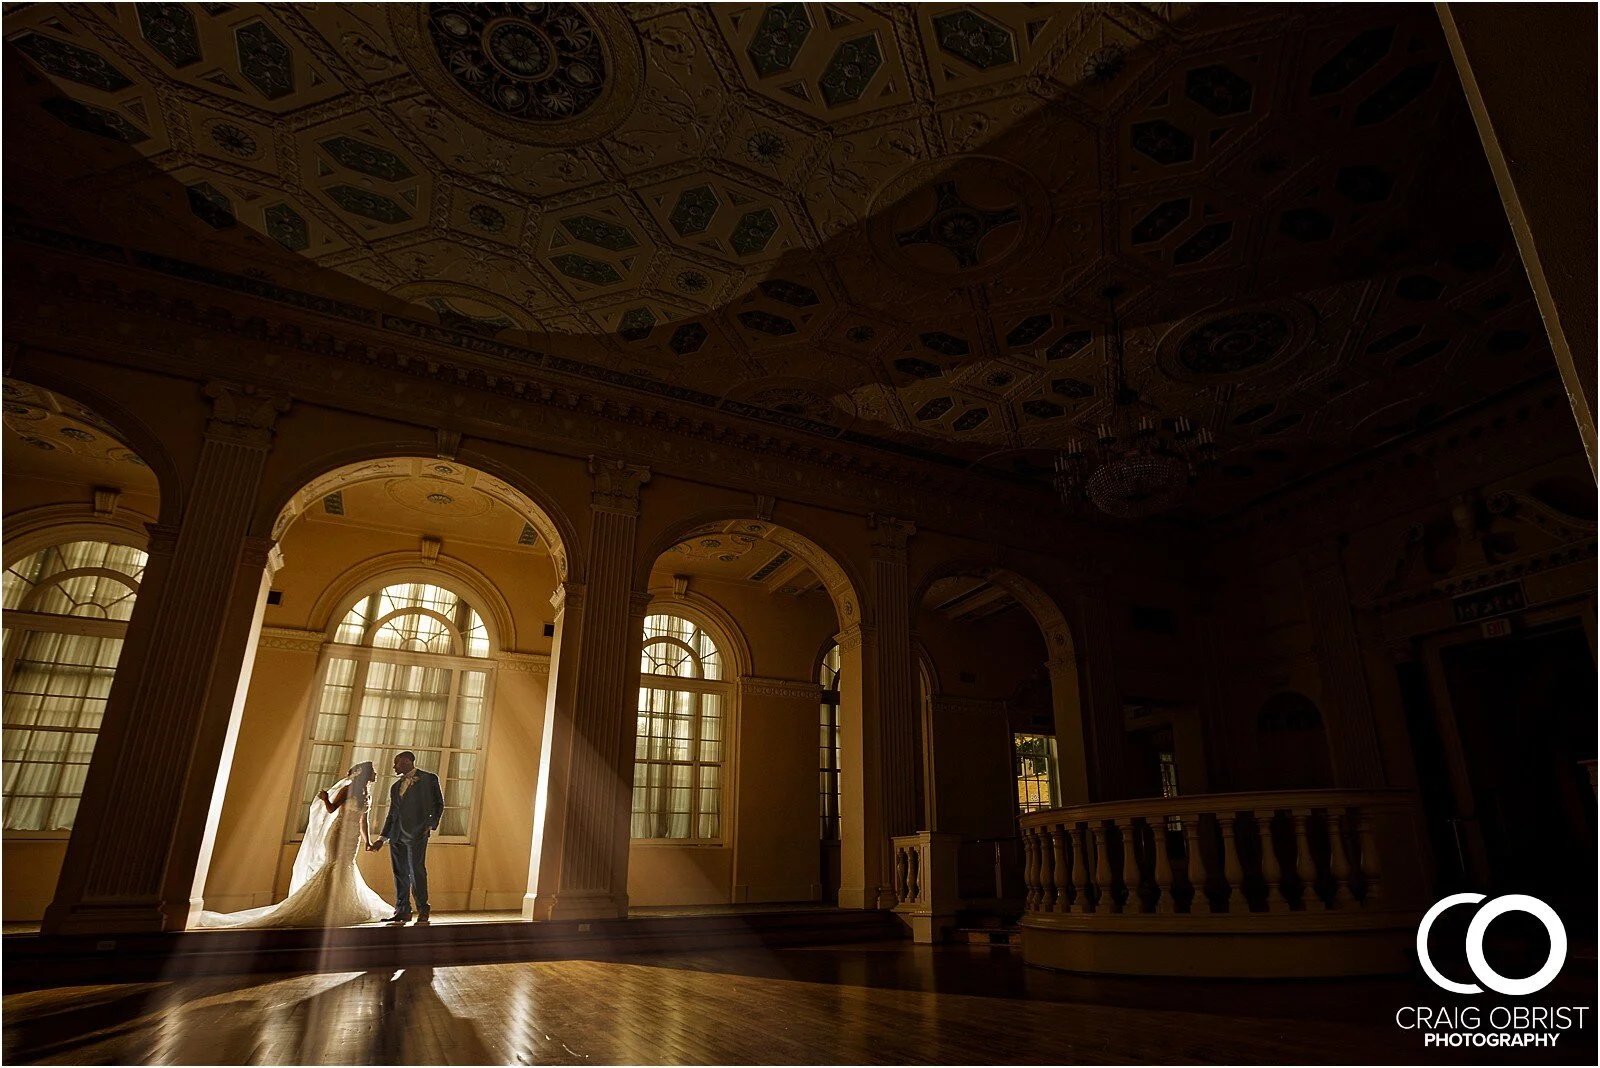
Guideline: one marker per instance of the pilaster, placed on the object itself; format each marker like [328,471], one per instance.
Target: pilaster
[579,868]
[1346,707]
[898,721]
[173,708]
[1101,696]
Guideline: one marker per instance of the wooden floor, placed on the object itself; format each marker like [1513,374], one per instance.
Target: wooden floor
[882,1003]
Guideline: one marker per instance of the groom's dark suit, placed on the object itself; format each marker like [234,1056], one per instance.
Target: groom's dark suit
[410,819]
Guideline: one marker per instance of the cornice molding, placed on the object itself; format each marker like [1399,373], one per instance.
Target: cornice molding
[325,349]
[1578,552]
[530,663]
[292,639]
[795,689]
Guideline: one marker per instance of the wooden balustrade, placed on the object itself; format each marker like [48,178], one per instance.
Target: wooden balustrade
[1286,851]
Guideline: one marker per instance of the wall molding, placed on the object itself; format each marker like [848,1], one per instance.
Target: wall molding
[531,663]
[292,639]
[794,689]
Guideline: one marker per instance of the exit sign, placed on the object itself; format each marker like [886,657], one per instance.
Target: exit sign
[1495,628]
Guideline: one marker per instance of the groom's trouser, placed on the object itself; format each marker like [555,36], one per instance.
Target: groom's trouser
[410,860]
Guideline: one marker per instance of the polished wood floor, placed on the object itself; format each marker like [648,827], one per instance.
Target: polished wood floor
[883,1003]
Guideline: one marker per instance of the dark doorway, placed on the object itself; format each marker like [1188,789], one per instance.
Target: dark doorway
[1525,710]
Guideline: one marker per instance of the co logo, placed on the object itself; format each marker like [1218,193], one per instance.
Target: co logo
[1475,932]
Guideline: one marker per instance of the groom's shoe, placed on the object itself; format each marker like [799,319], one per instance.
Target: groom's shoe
[422,918]
[399,917]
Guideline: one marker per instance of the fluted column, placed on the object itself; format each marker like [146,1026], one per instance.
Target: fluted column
[173,709]
[1346,708]
[896,683]
[1103,704]
[579,863]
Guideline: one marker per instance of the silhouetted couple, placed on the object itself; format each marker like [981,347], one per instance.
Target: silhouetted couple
[326,888]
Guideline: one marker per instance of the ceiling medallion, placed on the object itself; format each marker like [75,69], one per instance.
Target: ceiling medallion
[554,74]
[1138,464]
[965,218]
[1235,345]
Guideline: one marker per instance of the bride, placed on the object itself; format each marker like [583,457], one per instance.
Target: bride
[325,887]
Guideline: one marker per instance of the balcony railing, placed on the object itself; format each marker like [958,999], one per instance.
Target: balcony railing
[1275,864]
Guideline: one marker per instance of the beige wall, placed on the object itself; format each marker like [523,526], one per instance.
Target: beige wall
[255,849]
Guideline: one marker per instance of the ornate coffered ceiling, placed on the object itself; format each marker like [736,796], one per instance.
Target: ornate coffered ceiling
[894,220]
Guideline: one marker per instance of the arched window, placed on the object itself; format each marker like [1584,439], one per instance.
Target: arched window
[408,668]
[67,610]
[678,751]
[828,755]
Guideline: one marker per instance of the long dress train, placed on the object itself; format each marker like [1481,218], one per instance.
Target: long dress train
[325,888]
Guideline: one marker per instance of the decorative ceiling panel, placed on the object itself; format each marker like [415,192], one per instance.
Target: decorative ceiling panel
[900,220]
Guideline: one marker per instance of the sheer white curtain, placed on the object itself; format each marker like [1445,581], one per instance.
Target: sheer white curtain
[406,671]
[67,608]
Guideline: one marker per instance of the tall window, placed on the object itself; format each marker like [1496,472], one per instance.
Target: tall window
[408,668]
[677,766]
[1036,771]
[828,756]
[67,610]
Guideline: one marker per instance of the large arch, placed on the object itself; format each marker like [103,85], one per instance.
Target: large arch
[835,571]
[128,428]
[94,485]
[288,498]
[1066,691]
[864,850]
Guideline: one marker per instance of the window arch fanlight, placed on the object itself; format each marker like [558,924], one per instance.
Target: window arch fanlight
[67,608]
[679,747]
[407,668]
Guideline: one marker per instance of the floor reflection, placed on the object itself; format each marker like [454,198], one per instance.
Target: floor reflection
[886,1003]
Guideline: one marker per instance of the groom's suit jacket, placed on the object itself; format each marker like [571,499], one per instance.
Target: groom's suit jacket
[412,816]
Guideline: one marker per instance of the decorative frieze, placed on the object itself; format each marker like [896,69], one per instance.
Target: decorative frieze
[527,663]
[787,689]
[292,640]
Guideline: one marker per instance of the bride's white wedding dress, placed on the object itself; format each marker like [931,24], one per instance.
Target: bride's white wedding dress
[325,888]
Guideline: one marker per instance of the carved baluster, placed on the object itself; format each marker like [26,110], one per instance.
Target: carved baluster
[901,888]
[1047,869]
[914,856]
[1030,867]
[1083,900]
[1305,869]
[1271,870]
[1102,866]
[1232,870]
[1196,865]
[1371,863]
[1130,865]
[1163,866]
[1063,876]
[1338,863]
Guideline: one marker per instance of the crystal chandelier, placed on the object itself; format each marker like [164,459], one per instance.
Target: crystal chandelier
[1136,465]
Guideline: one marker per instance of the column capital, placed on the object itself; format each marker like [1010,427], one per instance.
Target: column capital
[851,637]
[890,536]
[639,603]
[616,485]
[243,414]
[257,552]
[163,538]
[567,595]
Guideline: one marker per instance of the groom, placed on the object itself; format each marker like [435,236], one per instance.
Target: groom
[415,805]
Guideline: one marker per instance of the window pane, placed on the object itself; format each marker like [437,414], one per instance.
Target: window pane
[55,699]
[1035,771]
[469,710]
[323,770]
